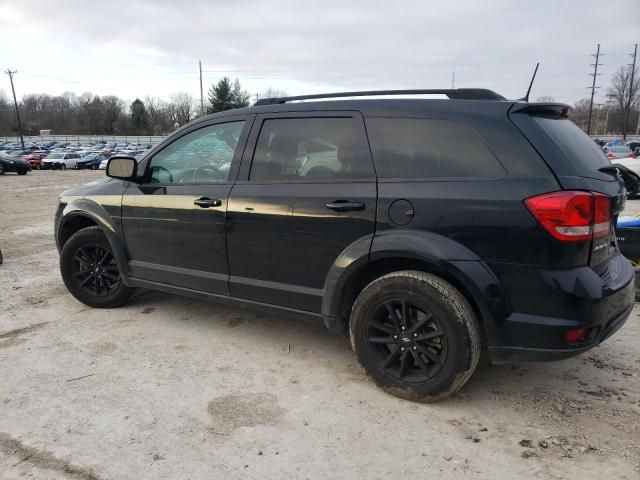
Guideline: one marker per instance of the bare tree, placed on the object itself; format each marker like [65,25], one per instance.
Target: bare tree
[619,90]
[273,93]
[181,108]
[159,121]
[113,110]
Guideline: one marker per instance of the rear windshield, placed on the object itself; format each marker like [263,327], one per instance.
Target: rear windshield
[584,155]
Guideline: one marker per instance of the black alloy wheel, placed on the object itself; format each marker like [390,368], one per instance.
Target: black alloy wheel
[95,270]
[409,342]
[90,270]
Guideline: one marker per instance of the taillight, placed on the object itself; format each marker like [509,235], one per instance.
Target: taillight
[572,216]
[601,215]
[610,155]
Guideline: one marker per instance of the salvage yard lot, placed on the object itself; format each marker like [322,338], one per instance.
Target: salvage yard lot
[170,387]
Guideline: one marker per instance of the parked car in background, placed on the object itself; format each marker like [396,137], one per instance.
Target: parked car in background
[90,161]
[13,164]
[615,152]
[60,161]
[634,145]
[35,160]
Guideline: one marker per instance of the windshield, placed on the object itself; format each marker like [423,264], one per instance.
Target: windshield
[55,155]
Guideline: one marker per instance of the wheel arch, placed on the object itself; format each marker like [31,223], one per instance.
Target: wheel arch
[83,213]
[415,250]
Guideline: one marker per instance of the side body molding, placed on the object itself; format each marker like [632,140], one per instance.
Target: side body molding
[443,254]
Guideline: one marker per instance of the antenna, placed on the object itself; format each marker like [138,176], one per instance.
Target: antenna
[526,97]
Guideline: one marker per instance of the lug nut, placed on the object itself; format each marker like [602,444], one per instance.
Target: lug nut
[415,348]
[415,334]
[395,337]
[402,349]
[402,328]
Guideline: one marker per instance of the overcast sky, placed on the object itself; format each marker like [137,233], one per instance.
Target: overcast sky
[135,48]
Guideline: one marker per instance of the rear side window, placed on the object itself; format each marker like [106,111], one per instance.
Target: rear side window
[306,149]
[427,148]
[584,155]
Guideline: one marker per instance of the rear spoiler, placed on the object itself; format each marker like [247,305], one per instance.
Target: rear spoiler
[553,109]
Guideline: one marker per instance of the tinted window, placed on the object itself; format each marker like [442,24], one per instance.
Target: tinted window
[584,155]
[201,156]
[425,148]
[309,149]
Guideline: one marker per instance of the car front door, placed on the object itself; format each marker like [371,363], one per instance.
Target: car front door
[305,192]
[174,220]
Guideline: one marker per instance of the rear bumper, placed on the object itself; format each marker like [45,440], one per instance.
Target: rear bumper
[547,303]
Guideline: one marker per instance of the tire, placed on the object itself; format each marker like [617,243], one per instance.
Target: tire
[446,329]
[2,169]
[63,167]
[22,172]
[77,261]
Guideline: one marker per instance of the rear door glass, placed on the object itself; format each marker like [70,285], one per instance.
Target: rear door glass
[582,153]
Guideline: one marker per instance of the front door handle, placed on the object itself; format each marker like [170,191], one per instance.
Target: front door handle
[206,202]
[344,206]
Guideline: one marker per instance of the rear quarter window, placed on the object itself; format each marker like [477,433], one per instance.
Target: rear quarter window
[429,149]
[582,153]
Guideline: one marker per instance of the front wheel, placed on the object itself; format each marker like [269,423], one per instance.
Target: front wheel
[416,335]
[90,272]
[63,167]
[22,172]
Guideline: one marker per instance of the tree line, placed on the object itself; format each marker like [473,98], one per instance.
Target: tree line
[110,115]
[90,114]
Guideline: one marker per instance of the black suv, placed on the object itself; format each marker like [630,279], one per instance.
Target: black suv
[427,229]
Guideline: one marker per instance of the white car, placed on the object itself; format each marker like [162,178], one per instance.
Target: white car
[60,160]
[103,164]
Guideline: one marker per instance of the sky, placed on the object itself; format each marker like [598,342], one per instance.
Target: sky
[136,48]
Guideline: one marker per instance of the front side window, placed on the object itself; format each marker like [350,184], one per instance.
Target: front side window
[308,149]
[201,156]
[429,148]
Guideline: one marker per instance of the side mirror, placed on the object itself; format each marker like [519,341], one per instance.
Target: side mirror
[122,167]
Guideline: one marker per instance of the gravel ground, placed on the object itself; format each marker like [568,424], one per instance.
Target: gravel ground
[170,387]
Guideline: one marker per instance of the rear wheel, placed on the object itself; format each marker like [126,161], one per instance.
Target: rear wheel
[22,172]
[416,335]
[2,170]
[90,272]
[63,167]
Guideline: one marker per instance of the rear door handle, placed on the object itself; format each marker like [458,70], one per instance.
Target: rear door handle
[344,206]
[206,202]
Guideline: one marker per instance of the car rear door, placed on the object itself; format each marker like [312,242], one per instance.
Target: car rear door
[174,219]
[305,192]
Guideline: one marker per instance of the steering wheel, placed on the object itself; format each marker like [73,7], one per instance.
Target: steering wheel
[211,171]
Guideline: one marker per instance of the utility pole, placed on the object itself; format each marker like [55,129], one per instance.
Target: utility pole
[628,109]
[593,87]
[201,95]
[15,102]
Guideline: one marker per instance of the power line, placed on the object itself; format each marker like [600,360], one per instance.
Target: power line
[593,87]
[15,102]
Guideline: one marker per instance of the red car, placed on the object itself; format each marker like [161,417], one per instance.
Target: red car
[34,159]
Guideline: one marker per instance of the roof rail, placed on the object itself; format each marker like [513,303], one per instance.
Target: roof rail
[454,94]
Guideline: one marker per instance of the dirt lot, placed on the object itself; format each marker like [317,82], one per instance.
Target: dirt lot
[170,387]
